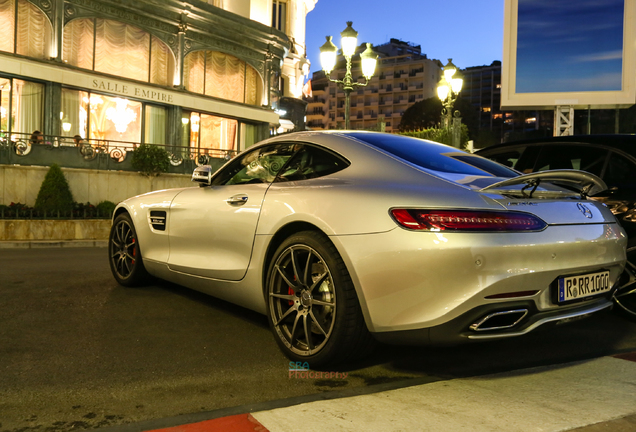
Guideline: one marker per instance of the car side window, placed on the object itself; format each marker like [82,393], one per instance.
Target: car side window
[311,162]
[260,165]
[620,171]
[508,158]
[578,157]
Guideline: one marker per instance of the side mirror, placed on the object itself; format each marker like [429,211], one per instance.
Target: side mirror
[202,175]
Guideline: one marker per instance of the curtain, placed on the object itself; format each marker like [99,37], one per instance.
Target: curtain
[161,63]
[249,134]
[28,106]
[71,113]
[7,24]
[195,127]
[224,76]
[34,31]
[218,133]
[5,94]
[121,49]
[193,71]
[252,96]
[78,43]
[155,127]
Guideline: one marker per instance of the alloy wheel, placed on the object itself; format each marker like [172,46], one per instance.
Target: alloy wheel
[625,297]
[123,249]
[302,300]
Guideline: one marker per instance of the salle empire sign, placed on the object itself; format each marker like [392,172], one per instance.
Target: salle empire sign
[132,90]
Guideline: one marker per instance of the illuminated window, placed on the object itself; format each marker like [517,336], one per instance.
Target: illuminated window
[101,117]
[33,35]
[117,49]
[486,109]
[21,106]
[7,23]
[531,120]
[497,116]
[155,125]
[5,94]
[223,76]
[209,134]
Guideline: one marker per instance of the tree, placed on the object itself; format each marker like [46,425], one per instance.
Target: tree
[427,114]
[424,114]
[55,194]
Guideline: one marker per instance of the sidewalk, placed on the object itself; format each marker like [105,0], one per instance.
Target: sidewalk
[590,396]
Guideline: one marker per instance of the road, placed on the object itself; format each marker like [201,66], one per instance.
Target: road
[79,351]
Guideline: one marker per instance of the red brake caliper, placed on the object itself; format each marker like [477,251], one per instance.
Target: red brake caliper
[290,292]
[134,251]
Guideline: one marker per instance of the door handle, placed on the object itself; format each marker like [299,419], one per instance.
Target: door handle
[239,199]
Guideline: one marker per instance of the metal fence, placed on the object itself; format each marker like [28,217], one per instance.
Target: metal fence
[67,152]
[81,211]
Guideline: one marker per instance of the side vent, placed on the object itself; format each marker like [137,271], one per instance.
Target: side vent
[158,220]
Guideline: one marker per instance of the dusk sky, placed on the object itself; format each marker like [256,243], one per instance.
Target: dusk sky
[569,46]
[468,31]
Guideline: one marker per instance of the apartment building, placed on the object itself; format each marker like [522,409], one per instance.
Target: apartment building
[403,76]
[482,87]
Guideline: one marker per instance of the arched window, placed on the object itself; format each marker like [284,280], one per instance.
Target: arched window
[33,29]
[118,49]
[223,76]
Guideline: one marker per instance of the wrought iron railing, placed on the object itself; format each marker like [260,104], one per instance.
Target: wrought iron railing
[81,211]
[44,150]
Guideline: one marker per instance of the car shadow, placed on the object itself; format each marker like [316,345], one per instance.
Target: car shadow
[600,335]
[238,312]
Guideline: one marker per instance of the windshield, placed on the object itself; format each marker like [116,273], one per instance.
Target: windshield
[434,156]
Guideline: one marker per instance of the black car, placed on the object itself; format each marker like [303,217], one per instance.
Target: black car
[611,157]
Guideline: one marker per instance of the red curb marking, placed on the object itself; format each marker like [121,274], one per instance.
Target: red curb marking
[629,356]
[235,423]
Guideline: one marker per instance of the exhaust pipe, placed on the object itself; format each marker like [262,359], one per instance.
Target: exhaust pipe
[500,320]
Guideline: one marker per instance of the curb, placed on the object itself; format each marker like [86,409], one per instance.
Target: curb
[235,423]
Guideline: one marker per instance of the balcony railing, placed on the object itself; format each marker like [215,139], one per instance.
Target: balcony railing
[44,150]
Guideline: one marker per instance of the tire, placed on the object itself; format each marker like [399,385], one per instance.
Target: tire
[625,296]
[124,255]
[312,305]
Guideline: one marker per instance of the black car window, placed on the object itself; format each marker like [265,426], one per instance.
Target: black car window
[431,155]
[260,165]
[311,162]
[507,157]
[620,172]
[579,157]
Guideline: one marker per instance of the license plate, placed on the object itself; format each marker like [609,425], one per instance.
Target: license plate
[582,286]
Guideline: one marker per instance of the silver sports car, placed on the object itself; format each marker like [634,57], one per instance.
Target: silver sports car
[342,238]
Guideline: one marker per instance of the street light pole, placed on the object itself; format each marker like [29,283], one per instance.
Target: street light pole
[328,56]
[448,90]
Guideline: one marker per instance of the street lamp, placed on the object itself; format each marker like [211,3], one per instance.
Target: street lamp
[328,56]
[447,90]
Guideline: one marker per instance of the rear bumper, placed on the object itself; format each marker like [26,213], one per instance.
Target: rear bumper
[408,281]
[459,330]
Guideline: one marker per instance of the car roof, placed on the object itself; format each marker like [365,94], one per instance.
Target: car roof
[624,142]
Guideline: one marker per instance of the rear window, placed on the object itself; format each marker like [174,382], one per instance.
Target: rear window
[434,156]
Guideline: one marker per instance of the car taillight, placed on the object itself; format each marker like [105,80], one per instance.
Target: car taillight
[466,220]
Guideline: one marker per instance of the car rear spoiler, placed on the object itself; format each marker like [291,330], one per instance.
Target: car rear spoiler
[583,182]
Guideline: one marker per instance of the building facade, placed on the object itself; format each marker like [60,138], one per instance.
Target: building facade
[403,76]
[202,77]
[482,87]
